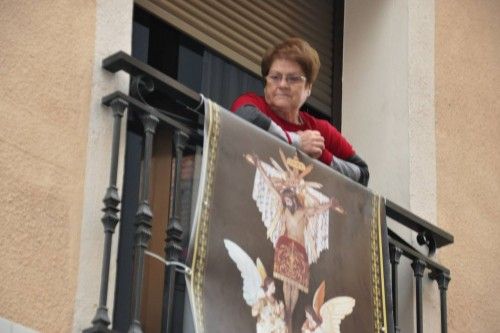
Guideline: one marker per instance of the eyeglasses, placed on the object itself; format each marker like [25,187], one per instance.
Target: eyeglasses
[291,79]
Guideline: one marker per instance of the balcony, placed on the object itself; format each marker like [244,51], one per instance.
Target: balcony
[181,126]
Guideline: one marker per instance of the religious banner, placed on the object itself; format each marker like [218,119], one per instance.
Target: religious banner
[281,242]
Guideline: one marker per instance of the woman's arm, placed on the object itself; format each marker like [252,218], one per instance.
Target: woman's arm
[340,155]
[252,114]
[354,168]
[310,141]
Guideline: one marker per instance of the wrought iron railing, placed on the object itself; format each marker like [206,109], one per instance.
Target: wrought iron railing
[430,236]
[188,127]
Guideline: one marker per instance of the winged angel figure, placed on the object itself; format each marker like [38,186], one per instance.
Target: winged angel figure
[324,317]
[258,291]
[296,216]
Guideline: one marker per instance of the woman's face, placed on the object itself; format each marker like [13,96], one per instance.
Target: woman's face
[286,88]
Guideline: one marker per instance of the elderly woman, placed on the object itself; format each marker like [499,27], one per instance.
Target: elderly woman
[289,70]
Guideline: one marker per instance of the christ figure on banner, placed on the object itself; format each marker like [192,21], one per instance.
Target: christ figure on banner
[296,216]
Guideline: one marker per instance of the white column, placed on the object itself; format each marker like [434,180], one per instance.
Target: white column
[388,115]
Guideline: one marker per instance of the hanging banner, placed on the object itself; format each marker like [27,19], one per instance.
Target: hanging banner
[280,242]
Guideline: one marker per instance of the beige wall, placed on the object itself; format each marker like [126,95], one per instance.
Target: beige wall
[468,164]
[51,140]
[46,55]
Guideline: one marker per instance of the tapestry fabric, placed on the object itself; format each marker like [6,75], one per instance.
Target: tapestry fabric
[281,242]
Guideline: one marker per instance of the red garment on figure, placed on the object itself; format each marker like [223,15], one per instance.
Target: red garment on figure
[335,144]
[291,264]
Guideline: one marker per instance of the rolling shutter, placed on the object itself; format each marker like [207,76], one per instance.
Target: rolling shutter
[242,30]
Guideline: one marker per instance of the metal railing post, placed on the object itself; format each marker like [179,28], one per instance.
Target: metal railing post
[110,219]
[442,279]
[395,255]
[173,247]
[418,270]
[144,216]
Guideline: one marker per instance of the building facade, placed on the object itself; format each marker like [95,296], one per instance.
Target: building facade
[419,101]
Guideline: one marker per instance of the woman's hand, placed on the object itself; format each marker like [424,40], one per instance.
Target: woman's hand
[311,143]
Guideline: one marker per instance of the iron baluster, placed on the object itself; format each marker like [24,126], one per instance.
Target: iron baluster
[395,256]
[110,219]
[143,221]
[418,270]
[173,247]
[442,279]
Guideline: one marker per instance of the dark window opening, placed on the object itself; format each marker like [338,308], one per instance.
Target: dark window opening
[191,63]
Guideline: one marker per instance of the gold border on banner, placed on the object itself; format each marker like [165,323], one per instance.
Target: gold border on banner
[378,281]
[201,237]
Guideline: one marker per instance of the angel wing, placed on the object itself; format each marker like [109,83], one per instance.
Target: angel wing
[316,231]
[252,282]
[334,310]
[268,199]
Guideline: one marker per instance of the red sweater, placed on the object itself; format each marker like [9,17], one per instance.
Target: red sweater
[335,144]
